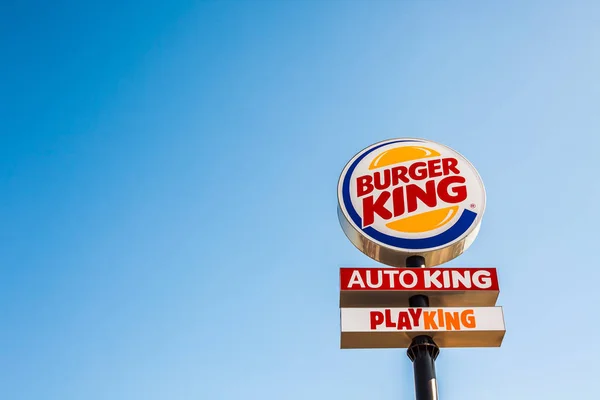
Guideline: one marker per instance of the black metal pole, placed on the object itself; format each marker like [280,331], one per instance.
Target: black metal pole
[422,351]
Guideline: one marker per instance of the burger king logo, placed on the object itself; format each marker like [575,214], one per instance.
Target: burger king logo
[405,197]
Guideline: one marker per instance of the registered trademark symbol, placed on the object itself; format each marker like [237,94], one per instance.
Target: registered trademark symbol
[473,205]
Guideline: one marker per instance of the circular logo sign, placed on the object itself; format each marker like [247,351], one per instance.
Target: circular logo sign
[404,197]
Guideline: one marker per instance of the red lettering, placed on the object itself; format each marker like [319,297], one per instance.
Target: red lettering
[388,319]
[364,185]
[435,168]
[449,164]
[371,207]
[399,175]
[410,196]
[404,321]
[382,184]
[419,174]
[398,201]
[427,196]
[415,314]
[376,319]
[459,193]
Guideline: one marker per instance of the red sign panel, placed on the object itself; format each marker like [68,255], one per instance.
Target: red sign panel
[418,279]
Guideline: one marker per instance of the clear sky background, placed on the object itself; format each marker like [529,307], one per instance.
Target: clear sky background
[168,175]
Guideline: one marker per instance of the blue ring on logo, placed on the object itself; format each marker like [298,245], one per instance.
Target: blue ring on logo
[464,222]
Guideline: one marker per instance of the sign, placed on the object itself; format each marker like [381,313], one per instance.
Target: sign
[404,197]
[395,327]
[445,287]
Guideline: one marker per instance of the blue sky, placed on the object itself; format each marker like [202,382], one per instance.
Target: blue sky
[168,177]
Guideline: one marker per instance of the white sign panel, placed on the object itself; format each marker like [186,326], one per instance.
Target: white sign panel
[395,327]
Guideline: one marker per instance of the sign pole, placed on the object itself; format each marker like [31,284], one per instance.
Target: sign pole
[423,351]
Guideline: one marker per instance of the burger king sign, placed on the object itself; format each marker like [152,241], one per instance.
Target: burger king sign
[404,197]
